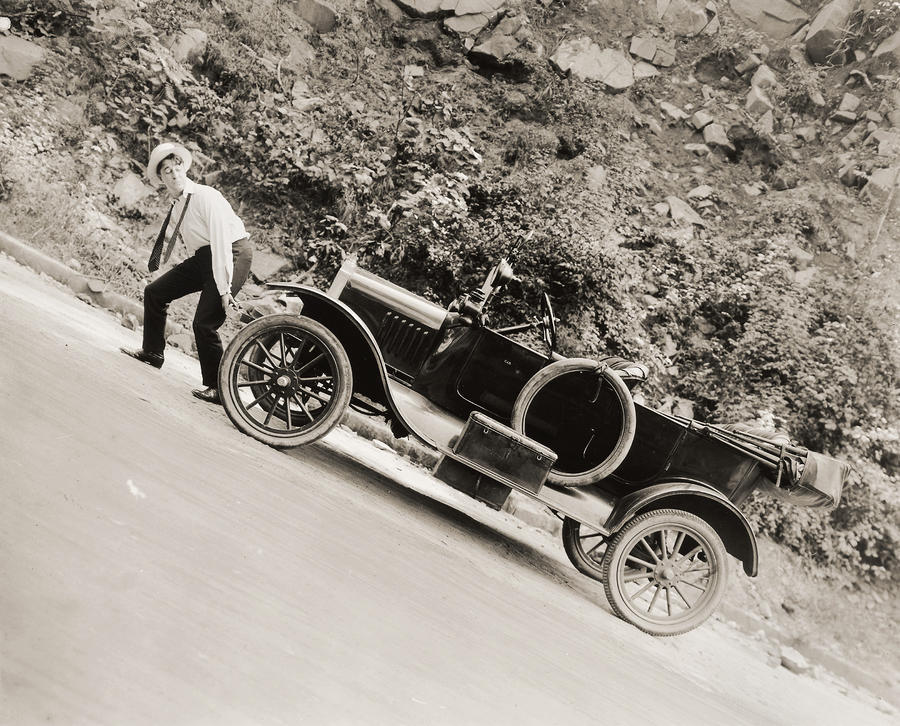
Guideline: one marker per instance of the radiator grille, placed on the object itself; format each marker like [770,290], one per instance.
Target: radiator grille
[404,343]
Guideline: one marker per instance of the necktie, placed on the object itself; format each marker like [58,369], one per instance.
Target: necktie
[156,254]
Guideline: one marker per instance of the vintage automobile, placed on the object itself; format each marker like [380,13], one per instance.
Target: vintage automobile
[649,501]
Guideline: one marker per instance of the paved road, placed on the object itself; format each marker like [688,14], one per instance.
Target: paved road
[158,567]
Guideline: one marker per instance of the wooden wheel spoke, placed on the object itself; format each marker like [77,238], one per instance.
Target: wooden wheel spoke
[650,549]
[669,601]
[644,589]
[590,536]
[689,555]
[255,401]
[269,415]
[635,576]
[312,394]
[308,364]
[681,595]
[265,353]
[703,568]
[257,367]
[694,583]
[642,563]
[653,599]
[679,540]
[316,379]
[283,350]
[663,548]
[303,407]
[251,384]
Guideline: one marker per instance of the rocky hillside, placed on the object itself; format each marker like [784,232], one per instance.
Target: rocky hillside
[708,187]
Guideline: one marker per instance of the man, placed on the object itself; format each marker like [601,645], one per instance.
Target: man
[218,265]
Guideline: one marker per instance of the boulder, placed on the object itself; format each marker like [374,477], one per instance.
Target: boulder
[701,119]
[506,45]
[585,60]
[808,133]
[643,47]
[704,191]
[319,14]
[849,103]
[18,57]
[826,29]
[754,189]
[888,142]
[757,102]
[880,183]
[714,136]
[682,212]
[643,69]
[596,177]
[473,7]
[750,63]
[496,49]
[423,8]
[267,265]
[130,190]
[853,138]
[698,149]
[890,44]
[686,17]
[665,54]
[793,661]
[188,46]
[776,18]
[845,117]
[467,25]
[767,122]
[470,17]
[119,21]
[672,111]
[764,78]
[391,10]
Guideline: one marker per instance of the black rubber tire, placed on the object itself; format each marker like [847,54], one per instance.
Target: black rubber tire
[326,348]
[692,534]
[586,561]
[580,365]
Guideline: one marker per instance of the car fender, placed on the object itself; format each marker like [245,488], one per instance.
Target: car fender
[697,498]
[370,376]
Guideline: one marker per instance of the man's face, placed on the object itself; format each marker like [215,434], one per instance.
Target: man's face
[173,175]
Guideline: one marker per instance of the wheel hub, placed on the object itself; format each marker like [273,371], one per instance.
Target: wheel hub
[284,380]
[666,573]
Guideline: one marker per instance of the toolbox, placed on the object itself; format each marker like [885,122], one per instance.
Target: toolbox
[498,450]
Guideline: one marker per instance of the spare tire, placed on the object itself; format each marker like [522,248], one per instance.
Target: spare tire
[582,410]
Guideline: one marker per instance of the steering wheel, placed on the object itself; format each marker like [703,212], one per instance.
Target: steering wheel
[548,323]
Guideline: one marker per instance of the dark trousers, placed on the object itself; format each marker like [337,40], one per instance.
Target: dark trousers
[193,275]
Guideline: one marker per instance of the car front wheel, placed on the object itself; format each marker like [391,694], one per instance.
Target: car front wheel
[285,380]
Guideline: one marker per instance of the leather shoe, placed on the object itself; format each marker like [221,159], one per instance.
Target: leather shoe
[210,395]
[151,359]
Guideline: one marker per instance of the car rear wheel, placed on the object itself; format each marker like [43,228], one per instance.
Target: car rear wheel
[584,547]
[665,571]
[584,412]
[285,380]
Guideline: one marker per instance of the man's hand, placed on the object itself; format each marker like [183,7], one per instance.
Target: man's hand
[228,301]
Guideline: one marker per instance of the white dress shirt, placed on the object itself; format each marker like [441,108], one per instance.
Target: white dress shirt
[209,220]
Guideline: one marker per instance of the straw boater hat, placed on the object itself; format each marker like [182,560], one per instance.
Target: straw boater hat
[163,151]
